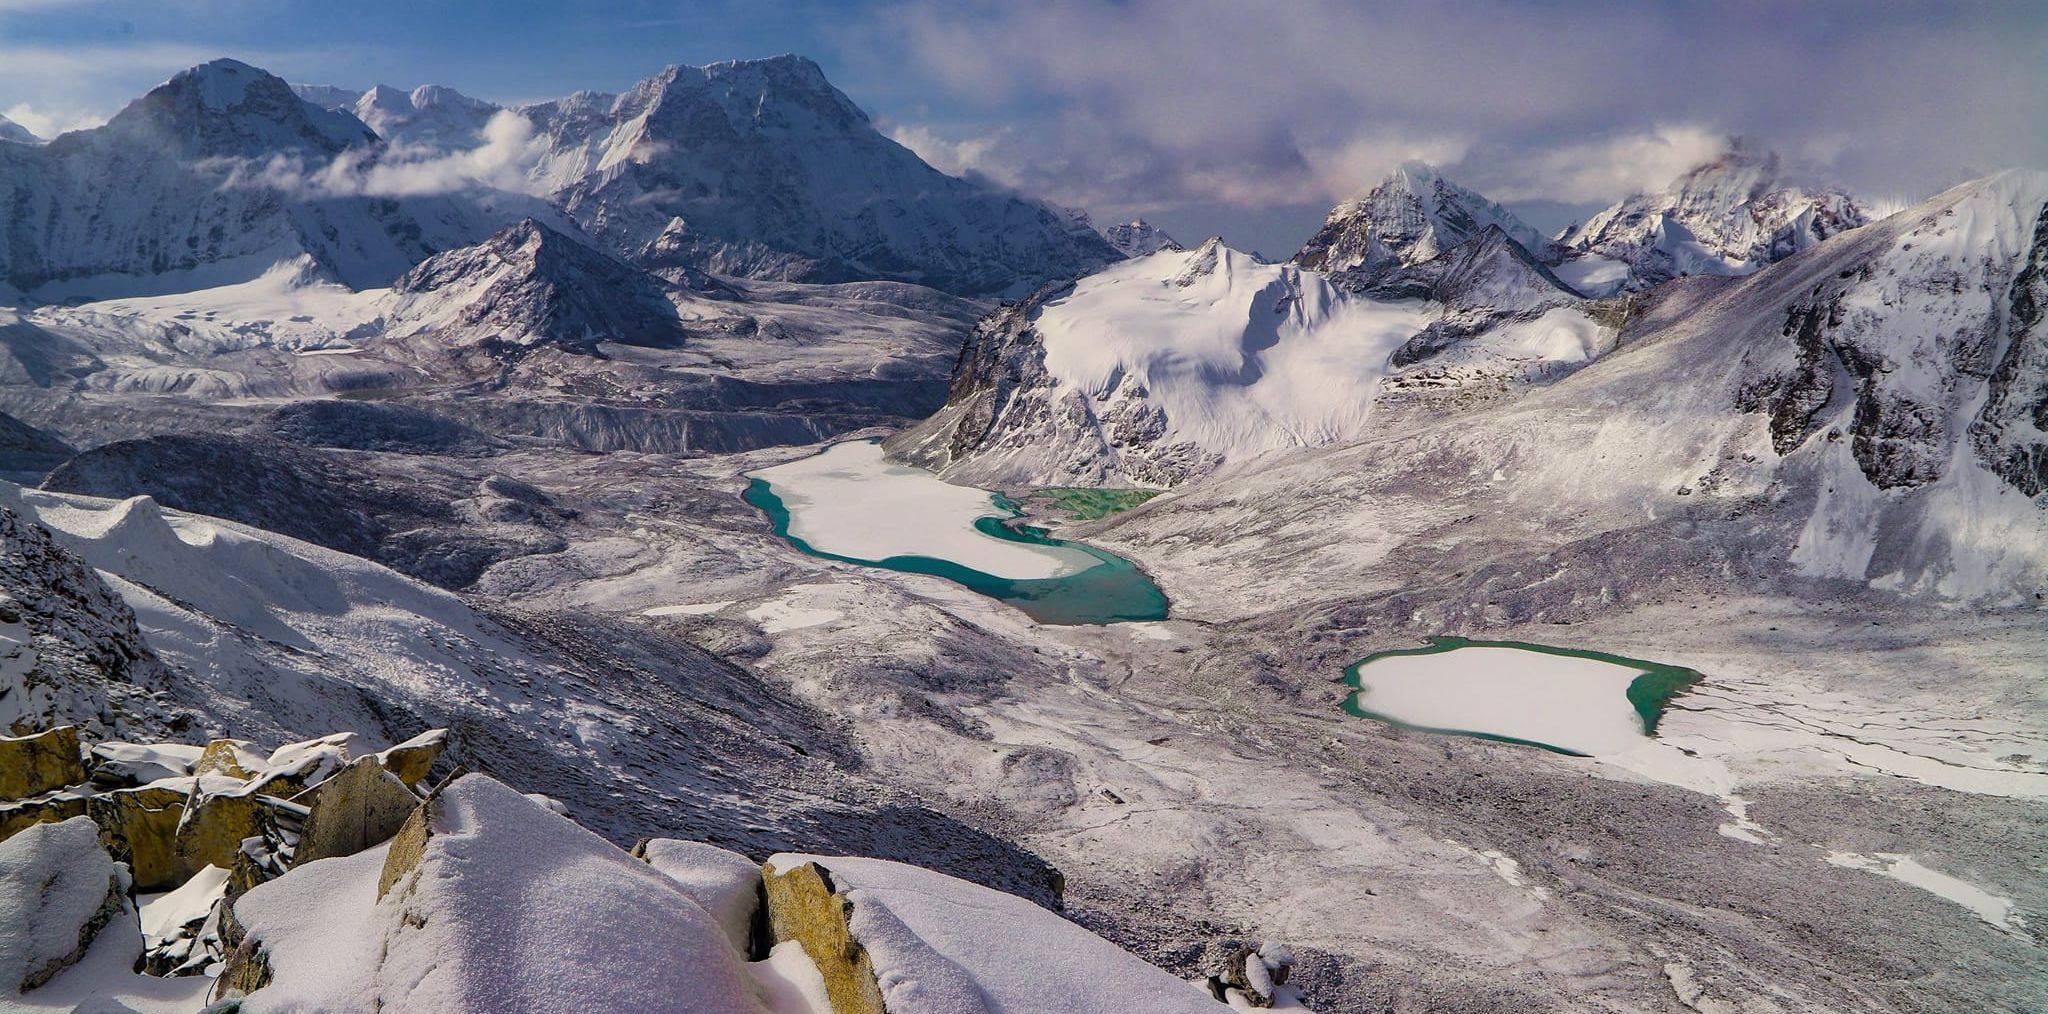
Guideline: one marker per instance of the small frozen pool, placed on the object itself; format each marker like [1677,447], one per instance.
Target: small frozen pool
[1577,702]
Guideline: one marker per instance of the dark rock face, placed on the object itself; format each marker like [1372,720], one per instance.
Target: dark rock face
[437,535]
[89,665]
[2011,433]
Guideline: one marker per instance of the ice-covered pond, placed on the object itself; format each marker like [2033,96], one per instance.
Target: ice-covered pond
[849,502]
[1578,702]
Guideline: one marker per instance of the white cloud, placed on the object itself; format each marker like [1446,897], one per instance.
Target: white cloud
[48,123]
[1611,167]
[502,161]
[1264,103]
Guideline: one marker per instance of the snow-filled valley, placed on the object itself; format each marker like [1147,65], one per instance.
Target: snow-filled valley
[724,549]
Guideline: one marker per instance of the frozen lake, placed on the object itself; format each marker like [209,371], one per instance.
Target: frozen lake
[1577,702]
[849,502]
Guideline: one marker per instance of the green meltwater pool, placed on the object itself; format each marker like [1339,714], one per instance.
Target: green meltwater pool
[1586,703]
[850,503]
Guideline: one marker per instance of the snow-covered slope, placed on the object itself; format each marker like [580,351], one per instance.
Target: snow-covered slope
[1409,217]
[761,168]
[1162,369]
[1730,216]
[219,165]
[1139,238]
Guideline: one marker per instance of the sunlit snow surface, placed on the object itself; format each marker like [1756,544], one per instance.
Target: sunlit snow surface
[851,501]
[1570,702]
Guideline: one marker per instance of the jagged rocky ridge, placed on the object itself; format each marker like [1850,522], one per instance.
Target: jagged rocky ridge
[1411,216]
[1139,238]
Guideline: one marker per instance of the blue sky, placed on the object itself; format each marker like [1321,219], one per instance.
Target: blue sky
[1244,117]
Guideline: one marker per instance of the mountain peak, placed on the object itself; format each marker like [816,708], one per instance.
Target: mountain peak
[530,285]
[1413,214]
[1139,238]
[229,108]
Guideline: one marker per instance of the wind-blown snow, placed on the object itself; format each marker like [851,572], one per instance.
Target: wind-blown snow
[1239,357]
[850,500]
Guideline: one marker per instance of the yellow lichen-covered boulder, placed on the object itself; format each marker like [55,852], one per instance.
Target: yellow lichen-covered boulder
[804,906]
[219,814]
[139,826]
[408,847]
[413,759]
[229,758]
[361,806]
[35,764]
[18,815]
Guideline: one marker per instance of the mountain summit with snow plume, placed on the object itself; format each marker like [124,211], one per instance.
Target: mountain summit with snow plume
[1730,216]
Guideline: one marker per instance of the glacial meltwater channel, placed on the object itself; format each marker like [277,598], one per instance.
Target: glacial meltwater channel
[850,503]
[1586,703]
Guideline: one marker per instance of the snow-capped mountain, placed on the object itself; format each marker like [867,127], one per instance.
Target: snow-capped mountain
[12,131]
[761,168]
[218,166]
[1412,215]
[428,115]
[529,285]
[1730,216]
[1164,368]
[1137,238]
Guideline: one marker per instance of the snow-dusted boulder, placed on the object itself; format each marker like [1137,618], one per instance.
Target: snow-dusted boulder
[939,945]
[58,890]
[725,883]
[503,905]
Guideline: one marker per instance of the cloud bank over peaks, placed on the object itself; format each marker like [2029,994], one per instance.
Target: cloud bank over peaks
[502,162]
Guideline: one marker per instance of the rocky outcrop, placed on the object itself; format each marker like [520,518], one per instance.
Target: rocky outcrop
[1139,238]
[2010,433]
[360,806]
[43,762]
[70,652]
[803,906]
